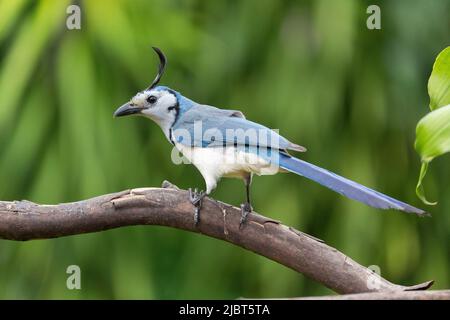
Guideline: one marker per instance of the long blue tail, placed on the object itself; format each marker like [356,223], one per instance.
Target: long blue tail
[345,186]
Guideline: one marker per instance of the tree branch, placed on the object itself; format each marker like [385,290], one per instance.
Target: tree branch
[383,295]
[169,206]
[394,295]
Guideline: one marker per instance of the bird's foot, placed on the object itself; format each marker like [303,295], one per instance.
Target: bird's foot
[196,198]
[246,208]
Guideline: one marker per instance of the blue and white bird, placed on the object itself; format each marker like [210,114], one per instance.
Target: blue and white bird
[223,143]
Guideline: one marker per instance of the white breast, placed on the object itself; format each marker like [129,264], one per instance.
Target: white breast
[217,162]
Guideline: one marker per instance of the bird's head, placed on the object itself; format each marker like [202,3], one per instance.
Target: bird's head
[158,103]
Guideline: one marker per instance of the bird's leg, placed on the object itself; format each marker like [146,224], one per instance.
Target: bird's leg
[246,207]
[196,199]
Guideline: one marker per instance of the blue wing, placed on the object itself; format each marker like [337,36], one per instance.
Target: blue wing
[344,186]
[206,126]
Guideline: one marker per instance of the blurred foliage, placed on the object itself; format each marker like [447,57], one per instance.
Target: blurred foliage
[351,95]
[433,130]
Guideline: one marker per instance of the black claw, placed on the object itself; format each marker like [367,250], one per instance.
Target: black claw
[196,198]
[191,195]
[246,208]
[196,216]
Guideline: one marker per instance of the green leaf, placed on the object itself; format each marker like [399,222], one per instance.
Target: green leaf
[433,130]
[419,188]
[433,134]
[439,82]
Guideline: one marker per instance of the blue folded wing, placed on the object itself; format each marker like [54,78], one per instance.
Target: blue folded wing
[345,186]
[205,126]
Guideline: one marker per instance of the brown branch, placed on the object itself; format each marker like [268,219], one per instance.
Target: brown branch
[169,206]
[390,295]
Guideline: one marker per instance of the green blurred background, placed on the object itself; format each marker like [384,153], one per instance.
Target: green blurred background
[352,96]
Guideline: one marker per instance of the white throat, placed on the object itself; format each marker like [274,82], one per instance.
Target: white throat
[164,112]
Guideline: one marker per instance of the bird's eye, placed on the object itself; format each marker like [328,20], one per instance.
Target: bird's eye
[151,99]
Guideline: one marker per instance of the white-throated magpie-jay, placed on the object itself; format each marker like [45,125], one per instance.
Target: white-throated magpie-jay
[223,143]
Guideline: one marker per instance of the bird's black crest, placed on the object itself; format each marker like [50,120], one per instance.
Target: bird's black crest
[162,66]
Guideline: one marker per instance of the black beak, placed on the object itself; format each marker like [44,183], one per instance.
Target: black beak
[126,110]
